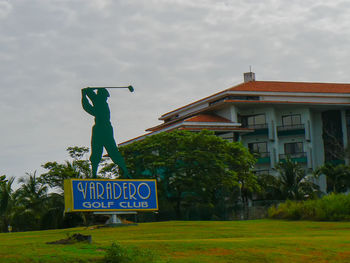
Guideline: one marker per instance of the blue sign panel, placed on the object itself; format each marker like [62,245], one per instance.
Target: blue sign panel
[110,195]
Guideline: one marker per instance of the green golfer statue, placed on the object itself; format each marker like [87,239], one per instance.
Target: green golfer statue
[102,131]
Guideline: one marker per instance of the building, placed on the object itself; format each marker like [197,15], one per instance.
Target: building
[309,122]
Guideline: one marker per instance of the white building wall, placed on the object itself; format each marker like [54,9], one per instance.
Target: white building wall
[312,139]
[318,147]
[315,99]
[271,116]
[228,113]
[316,139]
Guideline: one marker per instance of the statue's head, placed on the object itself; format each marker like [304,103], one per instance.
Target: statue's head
[103,93]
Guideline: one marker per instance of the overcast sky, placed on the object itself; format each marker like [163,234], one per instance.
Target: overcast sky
[172,51]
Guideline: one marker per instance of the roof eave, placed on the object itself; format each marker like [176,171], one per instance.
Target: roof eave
[251,92]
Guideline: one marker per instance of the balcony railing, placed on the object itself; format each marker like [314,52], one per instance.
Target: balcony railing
[260,172]
[290,127]
[261,154]
[256,126]
[293,155]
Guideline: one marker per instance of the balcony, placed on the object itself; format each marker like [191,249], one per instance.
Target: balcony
[260,172]
[262,157]
[286,130]
[336,162]
[295,157]
[259,129]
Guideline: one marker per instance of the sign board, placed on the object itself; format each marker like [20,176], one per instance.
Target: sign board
[110,195]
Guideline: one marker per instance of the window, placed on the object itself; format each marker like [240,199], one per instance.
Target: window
[293,148]
[254,121]
[257,147]
[291,120]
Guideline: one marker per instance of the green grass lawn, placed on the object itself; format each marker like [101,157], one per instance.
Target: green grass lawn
[183,241]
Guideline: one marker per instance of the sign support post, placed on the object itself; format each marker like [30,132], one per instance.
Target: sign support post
[115,220]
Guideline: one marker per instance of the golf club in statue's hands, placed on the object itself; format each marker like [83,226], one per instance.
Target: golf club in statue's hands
[131,88]
[95,103]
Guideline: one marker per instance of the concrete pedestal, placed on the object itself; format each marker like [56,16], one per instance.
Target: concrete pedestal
[115,220]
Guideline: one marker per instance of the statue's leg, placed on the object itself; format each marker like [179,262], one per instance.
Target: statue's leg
[115,155]
[96,151]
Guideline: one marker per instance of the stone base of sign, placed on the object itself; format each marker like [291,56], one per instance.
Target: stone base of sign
[115,220]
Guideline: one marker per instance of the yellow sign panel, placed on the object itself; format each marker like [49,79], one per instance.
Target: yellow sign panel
[110,195]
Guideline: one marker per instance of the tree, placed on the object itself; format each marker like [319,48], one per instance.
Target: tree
[5,193]
[191,168]
[79,167]
[32,198]
[32,193]
[53,216]
[338,177]
[293,181]
[269,187]
[32,207]
[6,201]
[241,162]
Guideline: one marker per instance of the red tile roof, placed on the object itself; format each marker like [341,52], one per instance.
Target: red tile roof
[237,129]
[207,118]
[254,86]
[278,86]
[197,118]
[305,87]
[285,102]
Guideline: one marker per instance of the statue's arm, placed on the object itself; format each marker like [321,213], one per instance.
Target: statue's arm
[85,102]
[90,93]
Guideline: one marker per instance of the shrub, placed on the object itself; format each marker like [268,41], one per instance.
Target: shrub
[119,254]
[287,210]
[333,207]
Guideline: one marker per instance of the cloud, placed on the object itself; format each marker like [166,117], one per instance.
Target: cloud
[5,9]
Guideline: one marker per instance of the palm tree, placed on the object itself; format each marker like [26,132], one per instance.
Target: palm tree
[6,201]
[293,181]
[32,194]
[338,177]
[53,215]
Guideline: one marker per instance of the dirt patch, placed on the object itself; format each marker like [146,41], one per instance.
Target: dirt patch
[72,240]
